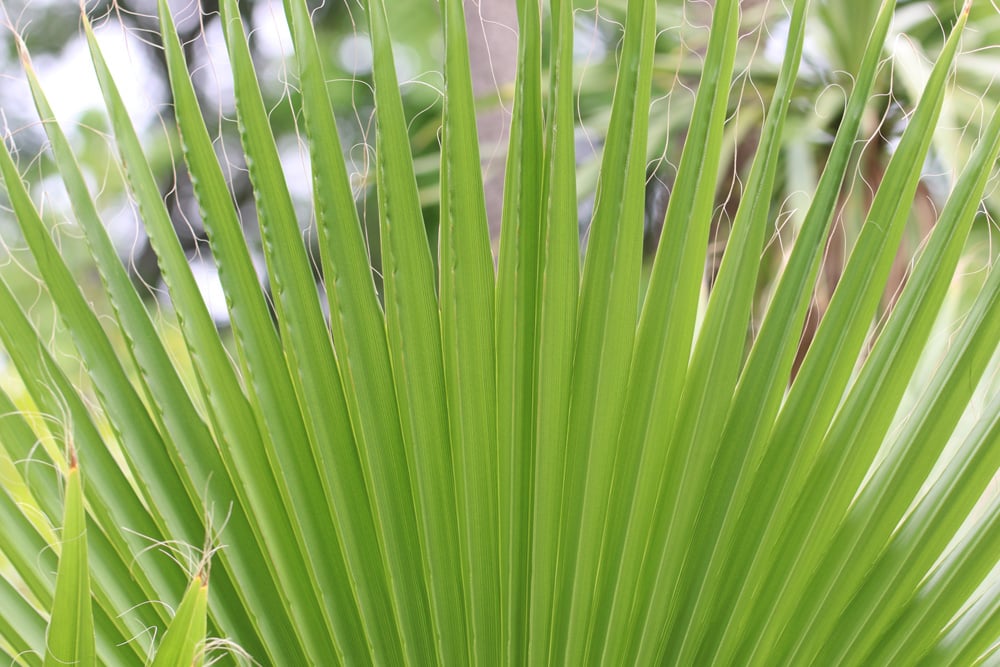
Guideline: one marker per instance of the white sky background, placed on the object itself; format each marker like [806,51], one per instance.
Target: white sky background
[69,81]
[72,88]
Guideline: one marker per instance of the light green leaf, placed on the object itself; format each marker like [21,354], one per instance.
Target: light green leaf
[541,465]
[765,376]
[21,625]
[358,329]
[717,358]
[794,462]
[175,494]
[418,518]
[558,293]
[516,362]
[658,365]
[70,637]
[231,411]
[467,340]
[840,560]
[185,637]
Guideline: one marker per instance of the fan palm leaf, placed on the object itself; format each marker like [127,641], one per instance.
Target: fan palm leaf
[538,462]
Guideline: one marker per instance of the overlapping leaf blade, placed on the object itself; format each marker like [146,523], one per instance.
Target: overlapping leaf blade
[659,363]
[244,446]
[467,338]
[863,420]
[425,515]
[606,317]
[23,627]
[559,276]
[904,559]
[115,501]
[175,414]
[765,375]
[357,325]
[718,353]
[70,637]
[516,357]
[796,438]
[183,643]
[521,470]
[326,488]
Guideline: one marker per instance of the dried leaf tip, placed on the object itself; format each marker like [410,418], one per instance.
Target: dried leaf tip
[22,48]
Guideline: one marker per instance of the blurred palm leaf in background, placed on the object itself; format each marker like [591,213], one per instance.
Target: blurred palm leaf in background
[559,460]
[835,42]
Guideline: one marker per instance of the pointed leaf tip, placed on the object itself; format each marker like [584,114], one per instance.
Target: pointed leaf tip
[70,638]
[185,637]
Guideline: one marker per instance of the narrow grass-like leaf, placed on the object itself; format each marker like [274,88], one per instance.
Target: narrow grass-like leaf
[357,325]
[971,637]
[183,643]
[414,334]
[195,458]
[659,362]
[22,543]
[22,627]
[172,494]
[516,334]
[916,544]
[887,607]
[607,314]
[19,338]
[114,502]
[70,637]
[30,545]
[718,355]
[23,447]
[531,469]
[243,447]
[765,376]
[949,585]
[862,423]
[816,392]
[29,542]
[123,404]
[329,462]
[467,340]
[559,280]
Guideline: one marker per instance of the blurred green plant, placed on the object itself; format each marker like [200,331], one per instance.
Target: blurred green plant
[531,464]
[51,31]
[835,43]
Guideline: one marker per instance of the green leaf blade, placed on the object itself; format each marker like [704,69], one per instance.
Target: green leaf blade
[467,336]
[659,361]
[70,637]
[818,388]
[183,642]
[175,415]
[559,275]
[607,314]
[517,303]
[864,419]
[423,513]
[765,376]
[718,351]
[357,323]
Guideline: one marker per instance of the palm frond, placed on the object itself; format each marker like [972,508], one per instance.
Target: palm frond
[550,461]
